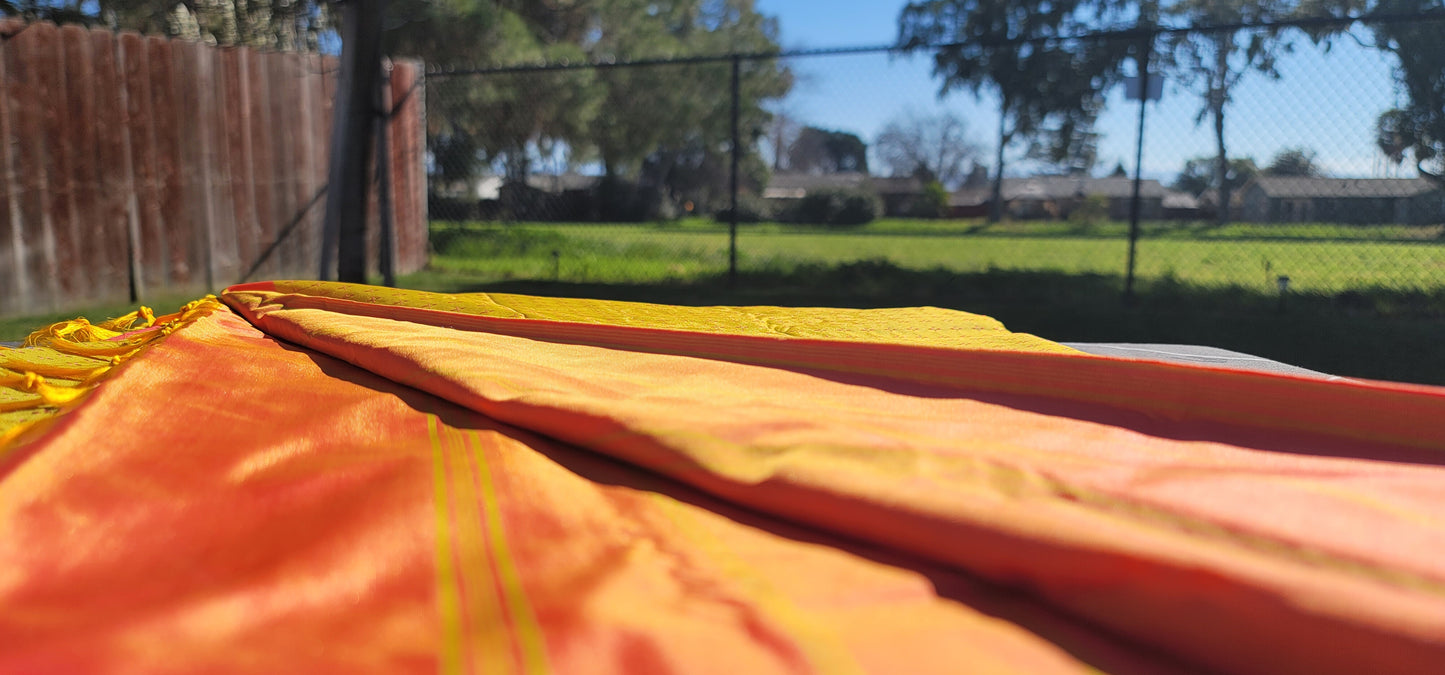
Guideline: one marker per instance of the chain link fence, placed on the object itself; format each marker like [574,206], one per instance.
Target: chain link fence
[701,168]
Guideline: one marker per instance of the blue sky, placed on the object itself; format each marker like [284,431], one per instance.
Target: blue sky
[1327,102]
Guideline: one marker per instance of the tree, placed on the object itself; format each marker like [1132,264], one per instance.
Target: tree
[1294,162]
[670,126]
[667,127]
[1199,175]
[297,25]
[823,151]
[977,176]
[934,147]
[1072,148]
[1044,87]
[1213,62]
[509,117]
[1418,129]
[1119,171]
[782,132]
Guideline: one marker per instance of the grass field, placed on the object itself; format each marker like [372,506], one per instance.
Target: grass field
[1318,259]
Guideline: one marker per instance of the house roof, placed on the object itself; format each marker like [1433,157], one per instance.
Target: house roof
[896,185]
[1299,187]
[1058,187]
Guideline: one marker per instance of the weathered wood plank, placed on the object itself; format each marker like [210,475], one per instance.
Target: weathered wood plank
[135,57]
[113,227]
[165,111]
[30,65]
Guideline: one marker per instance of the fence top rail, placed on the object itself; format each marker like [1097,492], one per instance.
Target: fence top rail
[1132,33]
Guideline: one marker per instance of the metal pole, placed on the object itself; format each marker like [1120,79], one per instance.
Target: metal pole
[733,212]
[1134,203]
[351,141]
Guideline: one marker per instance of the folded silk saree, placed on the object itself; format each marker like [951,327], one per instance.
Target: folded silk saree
[317,477]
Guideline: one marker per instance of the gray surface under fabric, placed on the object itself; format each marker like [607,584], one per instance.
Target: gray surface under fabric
[1197,355]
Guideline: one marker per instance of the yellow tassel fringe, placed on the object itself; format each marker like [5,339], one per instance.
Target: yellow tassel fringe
[96,349]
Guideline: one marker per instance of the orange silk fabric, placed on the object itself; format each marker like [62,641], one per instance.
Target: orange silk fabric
[346,479]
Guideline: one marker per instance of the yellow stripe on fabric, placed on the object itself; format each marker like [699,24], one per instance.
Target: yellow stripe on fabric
[486,635]
[524,621]
[825,651]
[448,594]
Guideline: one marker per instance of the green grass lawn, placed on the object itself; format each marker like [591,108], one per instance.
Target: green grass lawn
[1317,258]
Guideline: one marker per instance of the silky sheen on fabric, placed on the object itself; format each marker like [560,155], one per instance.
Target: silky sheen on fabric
[342,478]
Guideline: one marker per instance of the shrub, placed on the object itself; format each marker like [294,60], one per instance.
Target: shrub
[836,207]
[933,203]
[751,209]
[1093,209]
[623,201]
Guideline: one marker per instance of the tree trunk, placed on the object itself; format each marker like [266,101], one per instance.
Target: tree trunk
[1217,98]
[995,207]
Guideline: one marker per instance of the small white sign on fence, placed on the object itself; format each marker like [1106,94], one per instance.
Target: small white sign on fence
[1131,87]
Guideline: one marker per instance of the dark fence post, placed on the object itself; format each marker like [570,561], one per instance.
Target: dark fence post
[733,212]
[387,246]
[1134,203]
[351,136]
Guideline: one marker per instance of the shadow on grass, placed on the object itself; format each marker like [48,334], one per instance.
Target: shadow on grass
[1368,333]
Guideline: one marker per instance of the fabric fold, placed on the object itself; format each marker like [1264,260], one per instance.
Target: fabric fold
[1241,521]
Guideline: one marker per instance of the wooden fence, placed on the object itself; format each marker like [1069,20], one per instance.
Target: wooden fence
[141,166]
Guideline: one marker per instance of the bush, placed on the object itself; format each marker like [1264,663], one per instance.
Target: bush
[933,203]
[623,201]
[1092,210]
[751,209]
[451,208]
[836,207]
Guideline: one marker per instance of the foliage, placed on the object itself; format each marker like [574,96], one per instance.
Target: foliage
[931,147]
[296,25]
[751,209]
[665,127]
[823,151]
[1093,209]
[1199,174]
[1049,91]
[670,125]
[1294,162]
[933,203]
[835,207]
[1418,128]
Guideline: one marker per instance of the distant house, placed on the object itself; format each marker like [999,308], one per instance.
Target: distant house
[900,195]
[1282,199]
[897,194]
[1057,196]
